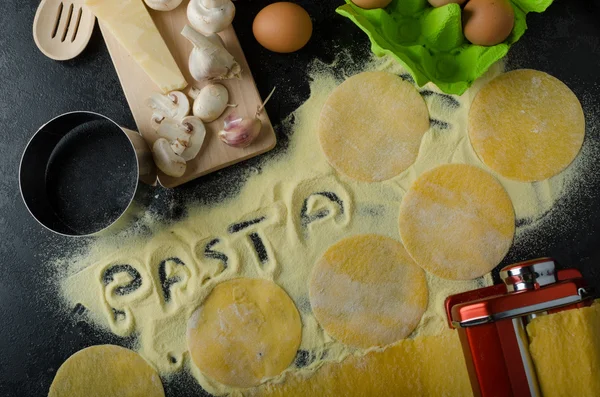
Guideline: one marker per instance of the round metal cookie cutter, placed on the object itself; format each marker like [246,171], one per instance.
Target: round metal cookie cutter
[137,169]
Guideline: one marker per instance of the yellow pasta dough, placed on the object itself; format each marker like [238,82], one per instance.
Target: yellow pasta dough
[457,221]
[367,291]
[423,366]
[371,126]
[106,370]
[526,125]
[565,348]
[246,330]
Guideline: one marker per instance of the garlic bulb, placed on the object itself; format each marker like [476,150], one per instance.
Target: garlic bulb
[210,16]
[209,60]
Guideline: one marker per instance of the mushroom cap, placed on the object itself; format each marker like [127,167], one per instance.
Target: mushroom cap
[173,130]
[207,20]
[197,137]
[167,160]
[211,102]
[163,5]
[182,102]
[175,105]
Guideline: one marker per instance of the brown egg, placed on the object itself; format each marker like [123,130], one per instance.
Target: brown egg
[371,4]
[282,27]
[439,3]
[488,22]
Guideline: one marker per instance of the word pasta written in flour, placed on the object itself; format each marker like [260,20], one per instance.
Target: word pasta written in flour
[126,285]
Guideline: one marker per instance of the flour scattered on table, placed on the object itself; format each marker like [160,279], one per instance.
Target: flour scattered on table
[283,219]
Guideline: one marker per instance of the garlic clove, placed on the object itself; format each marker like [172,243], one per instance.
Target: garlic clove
[198,135]
[163,5]
[207,20]
[240,132]
[211,102]
[167,160]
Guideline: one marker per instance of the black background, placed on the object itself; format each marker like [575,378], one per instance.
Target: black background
[35,338]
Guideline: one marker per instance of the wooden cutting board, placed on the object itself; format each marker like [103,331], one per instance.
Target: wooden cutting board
[243,92]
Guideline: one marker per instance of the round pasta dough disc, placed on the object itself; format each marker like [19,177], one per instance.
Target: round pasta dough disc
[526,125]
[246,330]
[106,370]
[457,221]
[371,126]
[367,291]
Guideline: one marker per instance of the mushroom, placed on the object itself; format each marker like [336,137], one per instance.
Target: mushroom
[210,102]
[173,132]
[214,3]
[185,137]
[210,16]
[198,133]
[209,60]
[163,5]
[175,105]
[167,160]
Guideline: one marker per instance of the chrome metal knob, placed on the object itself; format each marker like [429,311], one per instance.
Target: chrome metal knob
[529,275]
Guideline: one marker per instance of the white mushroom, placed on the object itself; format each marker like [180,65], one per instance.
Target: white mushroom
[210,16]
[198,133]
[214,3]
[210,102]
[167,160]
[209,60]
[178,147]
[175,105]
[174,131]
[163,5]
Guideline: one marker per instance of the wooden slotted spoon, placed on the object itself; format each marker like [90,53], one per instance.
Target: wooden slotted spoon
[62,28]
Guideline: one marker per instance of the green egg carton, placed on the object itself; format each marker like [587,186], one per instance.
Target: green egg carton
[430,43]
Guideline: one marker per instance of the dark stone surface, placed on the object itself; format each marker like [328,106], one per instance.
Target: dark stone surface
[35,339]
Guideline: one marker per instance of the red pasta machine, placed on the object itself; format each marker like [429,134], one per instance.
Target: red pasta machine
[491,324]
